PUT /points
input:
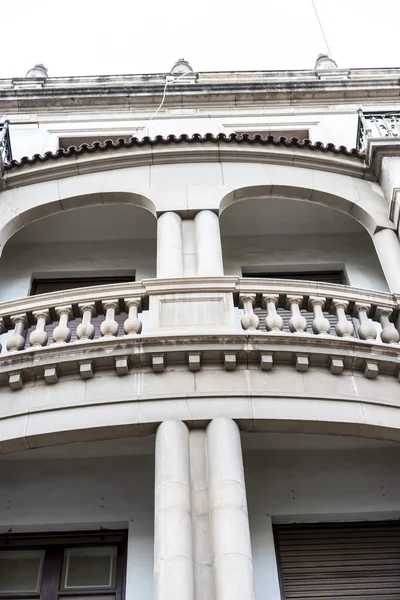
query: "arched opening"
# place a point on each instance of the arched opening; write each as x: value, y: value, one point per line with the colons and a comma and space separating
x: 94, y: 242
x: 94, y: 245
x: 278, y: 235
x: 281, y: 238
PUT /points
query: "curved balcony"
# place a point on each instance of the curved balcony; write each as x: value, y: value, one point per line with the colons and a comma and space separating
x: 194, y: 349
x: 55, y: 331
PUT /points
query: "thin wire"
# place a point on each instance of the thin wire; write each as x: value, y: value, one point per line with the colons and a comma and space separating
x: 322, y: 29
x: 165, y: 93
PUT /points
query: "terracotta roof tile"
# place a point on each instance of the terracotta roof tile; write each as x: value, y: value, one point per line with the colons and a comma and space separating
x: 237, y: 138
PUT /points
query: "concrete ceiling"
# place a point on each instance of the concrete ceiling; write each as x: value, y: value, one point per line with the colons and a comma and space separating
x: 91, y: 224
x: 278, y: 216
x: 250, y: 442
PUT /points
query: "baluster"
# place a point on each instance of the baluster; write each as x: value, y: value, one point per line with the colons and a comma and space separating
x: 344, y: 328
x: 16, y: 341
x: 85, y: 330
x: 62, y: 333
x: 132, y: 325
x: 297, y: 323
x: 109, y: 327
x: 39, y: 337
x: 250, y: 321
x: 367, y: 330
x: 389, y: 333
x: 273, y: 321
x: 320, y: 323
x: 3, y: 329
x: 396, y: 126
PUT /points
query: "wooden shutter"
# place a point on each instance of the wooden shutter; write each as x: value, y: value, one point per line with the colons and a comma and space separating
x: 339, y: 562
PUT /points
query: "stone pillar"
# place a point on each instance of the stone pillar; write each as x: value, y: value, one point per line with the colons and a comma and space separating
x: 387, y: 246
x: 173, y: 546
x: 169, y: 246
x: 232, y: 559
x: 208, y: 245
x: 202, y: 553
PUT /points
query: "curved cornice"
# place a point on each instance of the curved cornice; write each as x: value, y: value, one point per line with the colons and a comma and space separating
x: 89, y: 406
x: 244, y: 138
x: 184, y: 148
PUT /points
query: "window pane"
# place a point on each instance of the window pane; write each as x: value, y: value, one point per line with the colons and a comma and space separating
x: 89, y: 568
x: 21, y: 570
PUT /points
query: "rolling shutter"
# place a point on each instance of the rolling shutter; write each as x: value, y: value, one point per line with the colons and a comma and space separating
x: 339, y: 562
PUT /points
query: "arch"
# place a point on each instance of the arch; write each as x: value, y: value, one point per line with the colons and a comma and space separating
x: 39, y: 211
x: 342, y: 203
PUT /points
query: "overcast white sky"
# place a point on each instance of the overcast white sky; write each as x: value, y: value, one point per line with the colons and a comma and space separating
x: 89, y: 37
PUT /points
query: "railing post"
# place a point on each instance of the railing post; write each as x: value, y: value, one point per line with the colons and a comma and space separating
x: 85, y: 330
x: 250, y: 321
x: 16, y: 341
x: 62, y: 333
x: 3, y: 329
x: 320, y: 324
x: 389, y: 333
x: 367, y: 330
x: 132, y: 325
x: 297, y: 323
x: 39, y: 337
x: 109, y: 327
x: 344, y: 328
x: 273, y: 321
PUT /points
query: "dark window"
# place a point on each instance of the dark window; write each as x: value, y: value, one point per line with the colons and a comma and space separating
x: 301, y: 134
x: 44, y: 286
x: 343, y: 561
x: 324, y: 276
x: 61, y: 566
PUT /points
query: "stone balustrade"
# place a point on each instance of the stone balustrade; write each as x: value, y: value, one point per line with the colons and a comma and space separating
x: 28, y: 321
x: 228, y: 321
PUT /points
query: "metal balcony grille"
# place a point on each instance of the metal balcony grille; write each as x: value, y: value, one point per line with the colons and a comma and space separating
x: 5, y: 142
x: 377, y: 125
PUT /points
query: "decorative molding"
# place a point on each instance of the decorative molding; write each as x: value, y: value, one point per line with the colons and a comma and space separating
x: 163, y: 352
x: 58, y: 167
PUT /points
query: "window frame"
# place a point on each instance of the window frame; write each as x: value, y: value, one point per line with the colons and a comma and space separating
x: 297, y: 275
x: 54, y: 545
x: 91, y: 281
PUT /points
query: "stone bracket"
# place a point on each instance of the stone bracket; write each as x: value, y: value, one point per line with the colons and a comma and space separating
x: 121, y: 366
x: 158, y: 363
x: 194, y: 360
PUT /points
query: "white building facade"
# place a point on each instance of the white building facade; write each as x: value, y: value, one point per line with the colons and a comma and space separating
x: 199, y: 313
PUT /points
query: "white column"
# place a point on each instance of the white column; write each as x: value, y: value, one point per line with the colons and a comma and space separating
x: 208, y: 245
x: 233, y: 566
x: 173, y: 547
x: 169, y: 246
x: 202, y: 553
x: 387, y: 246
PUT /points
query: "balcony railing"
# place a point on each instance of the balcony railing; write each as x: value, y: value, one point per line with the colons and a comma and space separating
x: 5, y: 142
x: 29, y: 323
x: 377, y: 125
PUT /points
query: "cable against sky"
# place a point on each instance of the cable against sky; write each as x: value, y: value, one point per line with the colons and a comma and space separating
x: 322, y: 29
